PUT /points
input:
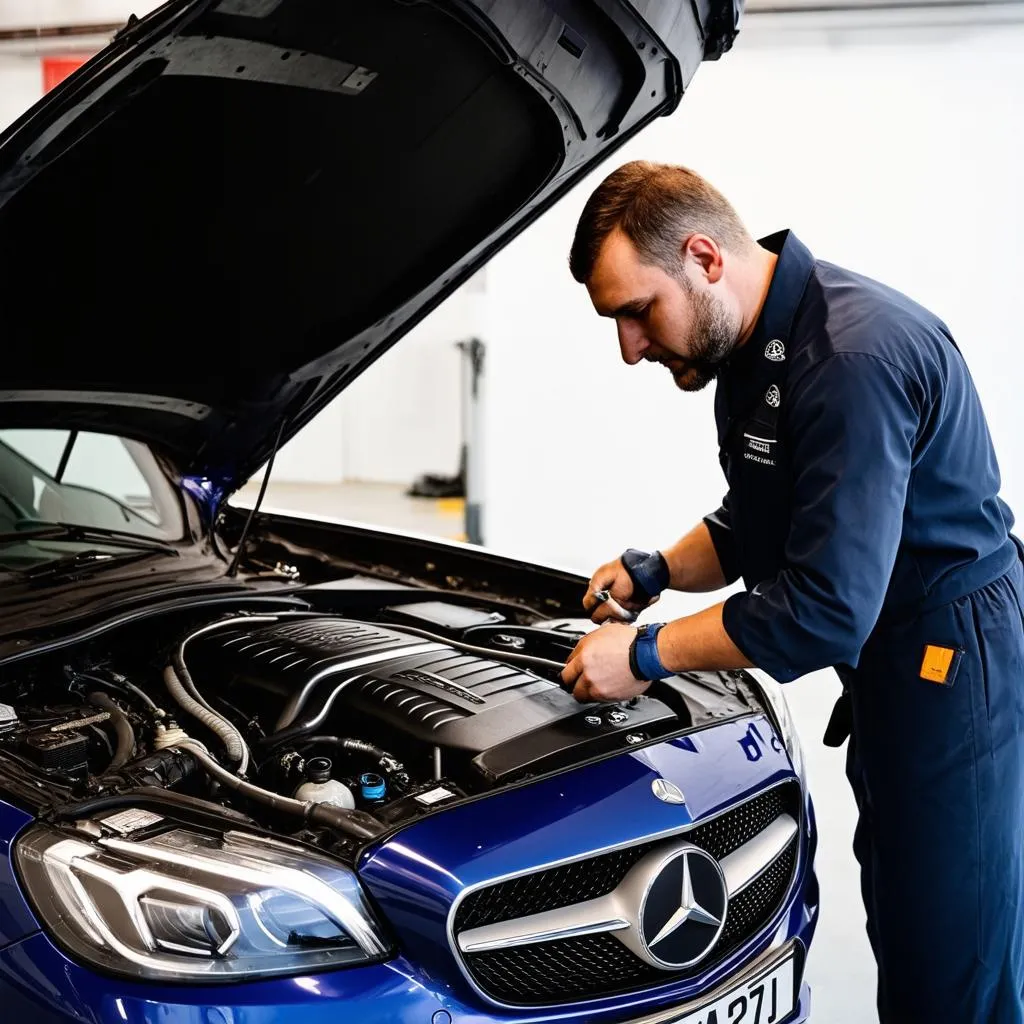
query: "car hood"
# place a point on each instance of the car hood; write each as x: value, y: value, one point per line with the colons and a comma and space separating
x: 225, y: 216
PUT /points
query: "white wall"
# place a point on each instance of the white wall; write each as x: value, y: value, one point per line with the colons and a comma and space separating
x: 21, y: 84
x: 403, y: 416
x: 55, y: 13
x: 899, y: 156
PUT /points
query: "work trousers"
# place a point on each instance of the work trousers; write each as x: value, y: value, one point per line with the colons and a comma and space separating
x: 938, y: 775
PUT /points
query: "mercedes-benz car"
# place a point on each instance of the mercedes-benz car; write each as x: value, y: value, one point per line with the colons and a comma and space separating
x: 256, y: 765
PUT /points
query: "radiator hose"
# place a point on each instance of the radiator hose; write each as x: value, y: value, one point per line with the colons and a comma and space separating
x: 355, y: 824
x: 122, y: 729
x: 222, y: 729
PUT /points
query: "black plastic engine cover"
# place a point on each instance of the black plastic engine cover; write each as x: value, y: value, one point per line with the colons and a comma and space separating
x: 429, y: 690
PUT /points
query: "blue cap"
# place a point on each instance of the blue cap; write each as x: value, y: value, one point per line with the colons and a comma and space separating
x: 372, y: 786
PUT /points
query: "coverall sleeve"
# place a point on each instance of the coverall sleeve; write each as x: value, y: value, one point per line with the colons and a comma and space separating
x: 852, y: 425
x: 719, y: 524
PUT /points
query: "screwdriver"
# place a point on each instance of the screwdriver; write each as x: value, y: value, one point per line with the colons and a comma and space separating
x: 604, y: 597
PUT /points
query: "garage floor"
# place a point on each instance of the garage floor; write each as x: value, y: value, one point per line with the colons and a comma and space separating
x: 841, y: 970
x: 378, y: 504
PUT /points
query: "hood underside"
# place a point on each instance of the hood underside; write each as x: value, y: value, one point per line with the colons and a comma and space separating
x: 229, y: 213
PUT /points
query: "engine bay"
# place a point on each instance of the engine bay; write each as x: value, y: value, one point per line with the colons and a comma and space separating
x: 332, y: 720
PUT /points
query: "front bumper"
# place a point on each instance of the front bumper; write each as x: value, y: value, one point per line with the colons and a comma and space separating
x: 39, y: 984
x: 416, y: 878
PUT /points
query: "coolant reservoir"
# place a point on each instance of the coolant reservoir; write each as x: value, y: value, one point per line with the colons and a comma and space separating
x: 320, y: 788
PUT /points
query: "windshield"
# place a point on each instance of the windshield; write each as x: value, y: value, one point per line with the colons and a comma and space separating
x: 86, y: 479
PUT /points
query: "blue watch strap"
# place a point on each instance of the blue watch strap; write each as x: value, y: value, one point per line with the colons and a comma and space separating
x: 648, y: 662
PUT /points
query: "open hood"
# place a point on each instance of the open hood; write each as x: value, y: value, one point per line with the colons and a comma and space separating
x: 230, y: 212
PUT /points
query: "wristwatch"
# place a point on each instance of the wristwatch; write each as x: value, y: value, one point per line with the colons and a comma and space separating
x: 644, y: 662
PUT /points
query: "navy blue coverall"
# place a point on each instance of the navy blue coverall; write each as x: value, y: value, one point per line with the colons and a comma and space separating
x: 863, y: 516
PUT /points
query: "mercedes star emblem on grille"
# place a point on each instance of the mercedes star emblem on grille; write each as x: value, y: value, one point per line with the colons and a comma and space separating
x: 683, y: 910
x: 668, y: 792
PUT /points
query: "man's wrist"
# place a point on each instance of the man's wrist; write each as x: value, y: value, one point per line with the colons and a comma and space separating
x: 676, y: 568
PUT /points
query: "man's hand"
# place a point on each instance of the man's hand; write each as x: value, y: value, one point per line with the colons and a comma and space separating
x: 612, y: 576
x: 598, y: 668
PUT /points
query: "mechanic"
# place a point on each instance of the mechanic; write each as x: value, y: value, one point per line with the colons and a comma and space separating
x: 863, y: 517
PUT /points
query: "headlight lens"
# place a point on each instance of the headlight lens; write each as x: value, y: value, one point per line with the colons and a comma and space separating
x: 779, y: 707
x: 188, y: 906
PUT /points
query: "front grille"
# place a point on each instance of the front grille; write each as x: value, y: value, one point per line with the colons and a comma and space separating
x: 599, y: 965
x: 552, y: 972
x: 587, y: 880
x: 752, y: 908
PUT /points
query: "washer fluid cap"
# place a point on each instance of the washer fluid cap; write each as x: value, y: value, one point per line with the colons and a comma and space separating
x: 372, y: 786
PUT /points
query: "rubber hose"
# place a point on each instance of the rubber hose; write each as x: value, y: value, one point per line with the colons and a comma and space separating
x: 224, y: 731
x: 360, y: 747
x: 140, y: 693
x: 122, y: 729
x: 356, y: 824
x: 151, y: 795
x: 185, y: 677
x: 351, y: 745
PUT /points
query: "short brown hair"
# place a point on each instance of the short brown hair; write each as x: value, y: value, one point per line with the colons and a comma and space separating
x: 657, y: 206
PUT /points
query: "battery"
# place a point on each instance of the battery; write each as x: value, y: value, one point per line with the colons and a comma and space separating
x: 56, y: 751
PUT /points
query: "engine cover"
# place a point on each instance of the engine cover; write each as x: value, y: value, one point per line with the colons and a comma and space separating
x: 429, y: 690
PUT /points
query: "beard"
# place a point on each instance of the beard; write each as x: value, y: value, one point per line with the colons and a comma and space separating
x: 713, y: 340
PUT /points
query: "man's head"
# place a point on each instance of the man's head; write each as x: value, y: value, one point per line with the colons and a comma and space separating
x: 664, y: 253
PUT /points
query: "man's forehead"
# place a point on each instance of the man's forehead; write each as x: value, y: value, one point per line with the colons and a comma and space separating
x: 618, y: 276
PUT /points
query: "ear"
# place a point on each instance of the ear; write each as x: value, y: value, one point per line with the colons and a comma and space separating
x: 706, y: 253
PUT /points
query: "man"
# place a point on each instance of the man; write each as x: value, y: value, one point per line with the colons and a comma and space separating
x: 863, y: 516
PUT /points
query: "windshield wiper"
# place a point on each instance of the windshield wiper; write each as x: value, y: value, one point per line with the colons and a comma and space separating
x: 98, y: 534
x: 89, y: 559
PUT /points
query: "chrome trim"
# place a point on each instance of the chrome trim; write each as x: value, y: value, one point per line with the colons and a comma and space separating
x: 298, y: 701
x: 494, y: 939
x: 753, y: 858
x: 617, y: 910
x: 794, y: 779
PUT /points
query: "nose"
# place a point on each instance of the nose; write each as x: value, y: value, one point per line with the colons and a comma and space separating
x: 632, y: 341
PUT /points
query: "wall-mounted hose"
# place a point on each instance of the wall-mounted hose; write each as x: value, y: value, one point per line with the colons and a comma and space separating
x: 122, y: 729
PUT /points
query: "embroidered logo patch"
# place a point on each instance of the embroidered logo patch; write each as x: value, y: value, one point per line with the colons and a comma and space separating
x: 775, y: 351
x: 759, y: 449
x: 773, y: 396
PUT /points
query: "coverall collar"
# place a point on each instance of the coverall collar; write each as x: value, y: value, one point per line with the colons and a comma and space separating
x: 789, y: 282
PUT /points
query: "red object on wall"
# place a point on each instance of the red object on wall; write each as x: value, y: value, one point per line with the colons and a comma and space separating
x: 56, y: 69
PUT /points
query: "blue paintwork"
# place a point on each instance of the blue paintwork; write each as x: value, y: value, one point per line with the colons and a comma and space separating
x: 207, y: 494
x: 415, y: 876
x: 16, y: 920
x: 39, y: 984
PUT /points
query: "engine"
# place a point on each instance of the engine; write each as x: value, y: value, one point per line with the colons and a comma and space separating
x: 324, y: 724
x: 449, y: 707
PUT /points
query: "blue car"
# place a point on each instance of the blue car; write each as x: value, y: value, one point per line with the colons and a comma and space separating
x: 257, y: 767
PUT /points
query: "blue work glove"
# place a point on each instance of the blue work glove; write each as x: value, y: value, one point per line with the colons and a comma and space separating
x: 648, y: 571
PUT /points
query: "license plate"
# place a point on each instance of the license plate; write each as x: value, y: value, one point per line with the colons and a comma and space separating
x: 767, y: 998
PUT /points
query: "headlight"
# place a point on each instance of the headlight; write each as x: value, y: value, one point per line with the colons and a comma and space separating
x: 183, y: 905
x: 783, y: 720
